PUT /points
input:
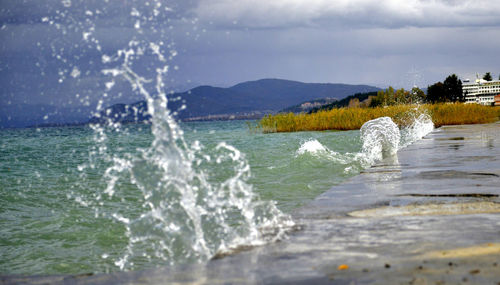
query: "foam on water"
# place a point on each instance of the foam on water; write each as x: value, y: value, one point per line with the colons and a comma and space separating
x: 314, y: 148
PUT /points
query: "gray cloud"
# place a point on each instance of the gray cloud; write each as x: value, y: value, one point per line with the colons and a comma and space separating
x: 400, y: 57
x: 222, y: 42
x: 46, y: 40
x: 349, y: 13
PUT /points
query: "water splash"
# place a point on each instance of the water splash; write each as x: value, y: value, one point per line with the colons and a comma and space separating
x: 380, y: 138
x: 175, y: 209
x: 421, y: 126
x: 188, y: 215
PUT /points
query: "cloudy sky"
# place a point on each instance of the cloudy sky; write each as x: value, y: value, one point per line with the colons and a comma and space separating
x: 55, y: 51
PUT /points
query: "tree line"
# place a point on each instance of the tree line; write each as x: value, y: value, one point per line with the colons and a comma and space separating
x: 450, y: 90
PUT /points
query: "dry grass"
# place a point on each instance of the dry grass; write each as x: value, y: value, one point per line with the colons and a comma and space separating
x: 354, y: 118
x: 461, y: 114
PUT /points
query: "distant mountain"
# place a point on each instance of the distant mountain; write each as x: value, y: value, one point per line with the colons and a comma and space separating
x: 24, y: 115
x: 250, y: 100
x: 242, y: 100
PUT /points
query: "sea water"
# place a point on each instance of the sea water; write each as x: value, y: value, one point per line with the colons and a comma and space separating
x: 57, y: 215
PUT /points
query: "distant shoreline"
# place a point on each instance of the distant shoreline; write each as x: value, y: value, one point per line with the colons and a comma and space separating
x: 245, y: 100
x: 209, y: 118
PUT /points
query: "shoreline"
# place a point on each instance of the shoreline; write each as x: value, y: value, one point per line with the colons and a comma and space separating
x: 453, y: 165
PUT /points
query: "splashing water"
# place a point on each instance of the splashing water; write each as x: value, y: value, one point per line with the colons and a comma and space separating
x: 380, y: 138
x: 420, y: 127
x: 187, y: 213
x: 173, y: 207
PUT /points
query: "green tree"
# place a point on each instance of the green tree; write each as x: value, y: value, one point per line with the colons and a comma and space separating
x: 417, y: 96
x: 389, y: 97
x: 401, y: 97
x: 388, y: 94
x: 487, y: 76
x: 453, y: 89
x: 436, y: 93
x: 384, y: 98
x: 376, y: 101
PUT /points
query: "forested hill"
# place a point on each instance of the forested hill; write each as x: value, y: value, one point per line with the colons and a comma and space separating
x: 345, y: 102
x: 248, y: 98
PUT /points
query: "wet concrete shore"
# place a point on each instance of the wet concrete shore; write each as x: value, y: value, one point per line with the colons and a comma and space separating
x: 429, y: 215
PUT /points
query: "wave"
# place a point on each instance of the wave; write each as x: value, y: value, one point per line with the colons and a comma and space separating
x: 380, y: 138
x: 314, y: 148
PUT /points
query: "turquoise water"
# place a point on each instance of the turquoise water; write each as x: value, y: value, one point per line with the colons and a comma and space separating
x: 53, y: 220
x: 279, y: 171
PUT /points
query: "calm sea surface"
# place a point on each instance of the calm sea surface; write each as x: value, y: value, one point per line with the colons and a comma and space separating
x: 63, y: 210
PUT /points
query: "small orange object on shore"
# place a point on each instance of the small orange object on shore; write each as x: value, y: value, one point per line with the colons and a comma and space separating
x: 343, y: 267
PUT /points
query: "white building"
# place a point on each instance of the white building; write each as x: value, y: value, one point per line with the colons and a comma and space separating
x: 481, y: 91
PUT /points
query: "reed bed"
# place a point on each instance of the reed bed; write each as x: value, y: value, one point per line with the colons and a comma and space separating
x: 461, y: 114
x: 354, y: 118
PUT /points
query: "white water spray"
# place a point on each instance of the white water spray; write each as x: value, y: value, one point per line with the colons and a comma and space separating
x: 380, y: 138
x: 420, y: 127
x: 175, y: 209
